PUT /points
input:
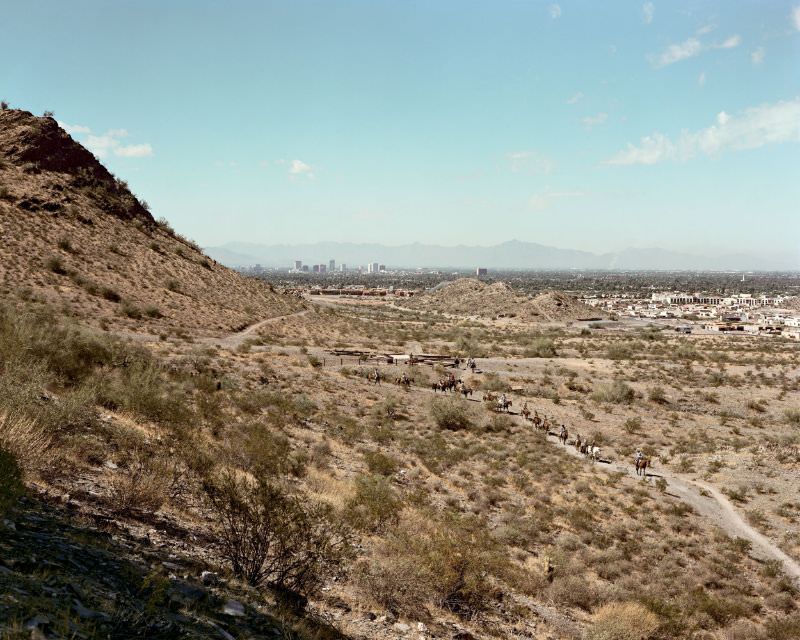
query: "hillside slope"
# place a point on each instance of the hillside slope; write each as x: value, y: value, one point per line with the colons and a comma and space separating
x: 468, y: 296
x: 75, y: 235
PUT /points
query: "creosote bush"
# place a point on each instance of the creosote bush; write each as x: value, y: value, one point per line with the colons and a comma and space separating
x: 272, y: 538
x: 447, y: 563
x: 451, y: 413
x: 374, y: 504
x: 617, y: 392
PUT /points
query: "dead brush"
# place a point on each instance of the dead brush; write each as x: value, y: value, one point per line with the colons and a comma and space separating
x: 29, y: 444
x: 142, y: 486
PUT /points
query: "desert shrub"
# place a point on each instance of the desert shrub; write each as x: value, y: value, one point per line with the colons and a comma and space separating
x: 632, y: 425
x: 272, y: 538
x: 744, y: 630
x: 373, y: 505
x: 451, y: 413
x: 619, y: 351
x: 109, y: 294
x: 314, y: 361
x: 143, y: 389
x: 449, y: 563
x: 65, y: 244
x: 152, y: 311
x: 657, y: 394
x: 269, y: 453
x: 380, y: 463
x: 617, y: 392
x: 499, y: 423
x: 792, y: 417
x: 493, y: 382
x: 574, y: 591
x: 141, y: 486
x: 541, y: 348
x: 10, y: 481
x: 623, y: 621
x: 56, y: 265
x: 173, y: 285
x: 130, y: 310
x: 783, y: 628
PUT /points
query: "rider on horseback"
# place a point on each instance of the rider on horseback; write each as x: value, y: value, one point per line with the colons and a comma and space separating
x: 638, y: 457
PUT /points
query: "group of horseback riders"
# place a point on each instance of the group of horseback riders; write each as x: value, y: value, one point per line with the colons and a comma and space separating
x: 585, y: 446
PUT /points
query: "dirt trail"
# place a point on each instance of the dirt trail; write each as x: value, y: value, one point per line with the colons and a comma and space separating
x: 713, y: 505
x: 235, y: 339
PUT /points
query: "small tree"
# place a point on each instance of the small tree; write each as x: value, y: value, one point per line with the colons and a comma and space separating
x: 273, y: 538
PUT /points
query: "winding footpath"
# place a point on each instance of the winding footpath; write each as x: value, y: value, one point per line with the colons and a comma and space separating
x: 233, y: 340
x: 712, y: 505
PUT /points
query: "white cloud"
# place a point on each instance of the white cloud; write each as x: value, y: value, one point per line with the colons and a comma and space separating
x: 757, y: 56
x: 300, y: 168
x: 648, y: 10
x: 706, y: 29
x: 796, y: 17
x: 701, y: 79
x: 730, y: 43
x: 690, y: 48
x: 593, y: 121
x: 108, y: 143
x: 134, y: 151
x: 544, y: 200
x: 74, y: 129
x: 576, y: 98
x: 530, y: 162
x: 754, y: 128
x: 555, y: 11
x: 677, y: 52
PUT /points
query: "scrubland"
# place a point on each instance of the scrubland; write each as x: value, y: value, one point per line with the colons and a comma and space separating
x: 345, y: 507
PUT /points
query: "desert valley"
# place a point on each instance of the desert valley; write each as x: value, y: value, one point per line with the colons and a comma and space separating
x: 190, y: 452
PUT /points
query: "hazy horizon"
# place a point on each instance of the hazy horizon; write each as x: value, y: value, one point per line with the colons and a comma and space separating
x: 584, y: 126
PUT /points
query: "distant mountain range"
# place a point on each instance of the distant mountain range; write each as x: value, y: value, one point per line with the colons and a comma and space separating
x: 513, y: 254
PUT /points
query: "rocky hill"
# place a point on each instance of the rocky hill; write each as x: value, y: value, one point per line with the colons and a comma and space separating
x: 73, y: 234
x: 471, y: 297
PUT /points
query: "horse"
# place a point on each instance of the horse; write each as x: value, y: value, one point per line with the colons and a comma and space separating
x: 594, y: 453
x: 465, y: 390
x: 537, y: 421
x: 404, y: 381
x: 641, y: 466
x: 489, y: 396
x: 504, y: 405
x: 562, y: 436
x: 578, y: 443
x: 526, y: 413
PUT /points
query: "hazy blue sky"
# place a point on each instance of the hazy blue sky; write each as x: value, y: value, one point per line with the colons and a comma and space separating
x: 593, y: 125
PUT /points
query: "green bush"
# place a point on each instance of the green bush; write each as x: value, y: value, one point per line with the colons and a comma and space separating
x: 617, y: 392
x: 451, y: 413
x: 380, y: 463
x: 541, y: 348
x: 373, y: 505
